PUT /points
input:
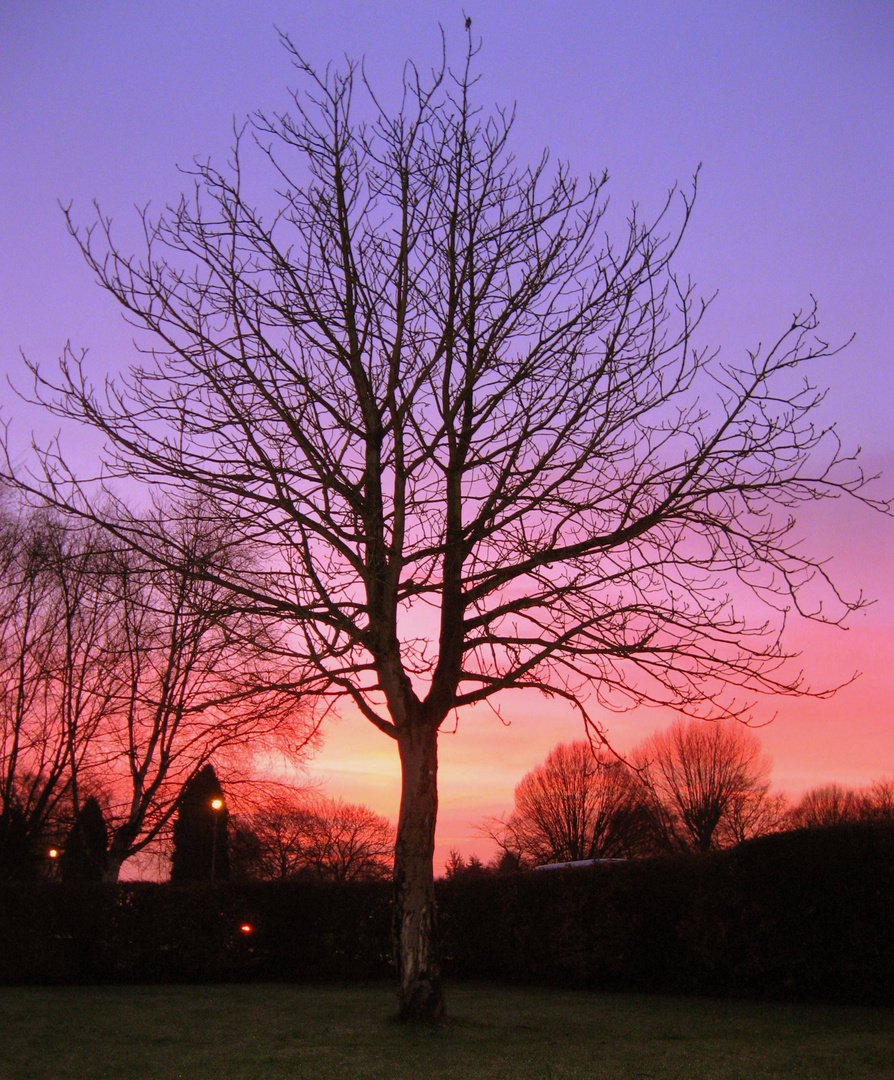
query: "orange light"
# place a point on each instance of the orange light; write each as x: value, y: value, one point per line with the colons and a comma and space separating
x: 216, y: 804
x: 53, y: 853
x: 246, y: 928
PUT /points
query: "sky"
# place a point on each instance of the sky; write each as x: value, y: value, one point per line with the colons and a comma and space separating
x: 785, y: 106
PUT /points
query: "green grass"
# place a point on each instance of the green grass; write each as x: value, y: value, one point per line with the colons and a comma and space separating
x: 276, y: 1032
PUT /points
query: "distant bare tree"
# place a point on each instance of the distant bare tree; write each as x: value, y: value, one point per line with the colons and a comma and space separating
x: 459, y: 868
x: 474, y: 443
x: 754, y: 813
x: 312, y: 836
x: 197, y: 681
x: 708, y: 782
x: 56, y: 622
x: 349, y: 842
x: 455, y: 864
x: 829, y: 804
x: 125, y: 675
x: 880, y: 799
x: 576, y: 805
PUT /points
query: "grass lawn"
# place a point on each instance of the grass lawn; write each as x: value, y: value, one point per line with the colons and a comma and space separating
x: 277, y: 1032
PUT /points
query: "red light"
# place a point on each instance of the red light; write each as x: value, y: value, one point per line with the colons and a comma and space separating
x: 246, y: 928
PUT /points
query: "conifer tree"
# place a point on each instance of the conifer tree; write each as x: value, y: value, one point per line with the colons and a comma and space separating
x: 86, y: 846
x: 200, y: 831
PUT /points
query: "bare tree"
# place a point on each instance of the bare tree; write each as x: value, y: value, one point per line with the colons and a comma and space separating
x: 753, y: 813
x: 55, y: 684
x: 125, y: 675
x: 706, y: 781
x: 197, y: 682
x: 576, y: 805
x: 268, y: 840
x: 473, y: 442
x: 313, y: 836
x: 348, y: 842
x: 880, y: 799
x: 829, y: 804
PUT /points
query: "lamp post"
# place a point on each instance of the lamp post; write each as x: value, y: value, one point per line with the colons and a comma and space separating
x: 216, y: 806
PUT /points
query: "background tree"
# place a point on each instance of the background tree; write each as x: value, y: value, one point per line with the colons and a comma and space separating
x: 126, y: 674
x: 829, y: 804
x: 201, y: 827
x: 198, y: 681
x: 758, y: 813
x: 576, y: 805
x: 459, y: 868
x: 268, y: 841
x: 475, y: 445
x: 705, y: 780
x: 880, y: 798
x: 56, y: 687
x: 312, y: 836
x: 85, y: 849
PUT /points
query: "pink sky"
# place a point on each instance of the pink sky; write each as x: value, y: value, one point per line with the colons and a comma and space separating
x: 785, y: 105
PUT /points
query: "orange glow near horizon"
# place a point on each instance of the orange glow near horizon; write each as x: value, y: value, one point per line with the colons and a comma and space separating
x: 847, y: 738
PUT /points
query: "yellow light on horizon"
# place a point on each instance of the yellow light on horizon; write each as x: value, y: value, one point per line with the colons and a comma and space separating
x: 216, y: 804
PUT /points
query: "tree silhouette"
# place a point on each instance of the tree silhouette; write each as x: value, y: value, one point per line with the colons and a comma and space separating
x: 474, y: 444
x: 55, y: 692
x: 576, y: 805
x: 312, y: 836
x: 86, y: 846
x: 125, y: 674
x: 830, y: 804
x: 201, y: 851
x: 704, y: 780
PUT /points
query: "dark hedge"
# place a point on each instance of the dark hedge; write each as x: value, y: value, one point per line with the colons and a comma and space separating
x: 805, y: 915
x: 144, y: 932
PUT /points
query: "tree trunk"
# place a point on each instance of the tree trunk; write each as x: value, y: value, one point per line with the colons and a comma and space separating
x: 415, y: 916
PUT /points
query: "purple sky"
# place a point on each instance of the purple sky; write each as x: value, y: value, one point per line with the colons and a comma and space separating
x: 787, y: 106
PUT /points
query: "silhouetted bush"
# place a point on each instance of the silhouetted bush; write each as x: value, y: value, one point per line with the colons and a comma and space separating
x: 806, y: 915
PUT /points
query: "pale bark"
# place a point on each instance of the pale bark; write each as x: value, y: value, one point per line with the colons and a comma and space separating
x: 415, y: 915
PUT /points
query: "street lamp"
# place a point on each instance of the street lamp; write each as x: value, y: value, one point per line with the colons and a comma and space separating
x: 216, y: 806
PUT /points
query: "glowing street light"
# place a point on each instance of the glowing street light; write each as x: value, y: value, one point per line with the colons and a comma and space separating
x: 53, y: 853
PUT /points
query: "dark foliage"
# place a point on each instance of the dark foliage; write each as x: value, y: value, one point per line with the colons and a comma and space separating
x: 142, y: 932
x: 20, y: 857
x: 805, y: 915
x: 86, y: 846
x: 200, y: 832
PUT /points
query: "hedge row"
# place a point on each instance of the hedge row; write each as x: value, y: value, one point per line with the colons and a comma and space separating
x: 143, y: 932
x: 806, y: 915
